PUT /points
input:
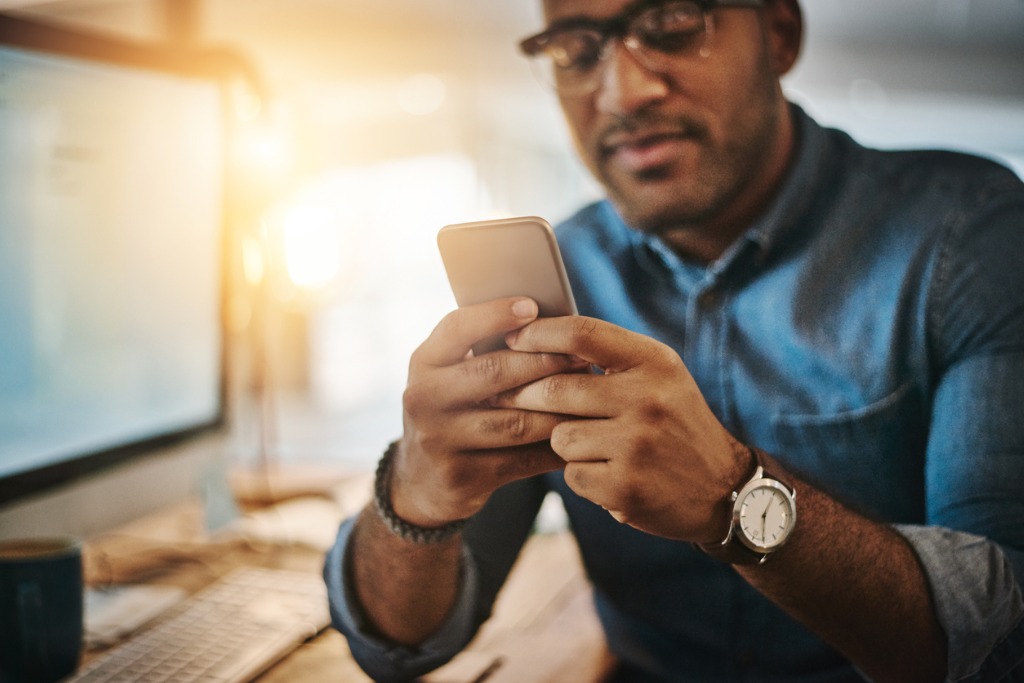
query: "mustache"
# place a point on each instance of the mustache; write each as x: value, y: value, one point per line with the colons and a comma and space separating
x: 638, y: 128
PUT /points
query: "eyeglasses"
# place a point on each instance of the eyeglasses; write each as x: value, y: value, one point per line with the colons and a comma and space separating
x: 658, y: 33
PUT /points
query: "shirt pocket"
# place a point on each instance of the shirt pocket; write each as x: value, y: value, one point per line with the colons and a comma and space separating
x: 870, y: 458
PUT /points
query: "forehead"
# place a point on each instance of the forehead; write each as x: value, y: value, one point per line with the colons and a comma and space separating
x: 598, y: 9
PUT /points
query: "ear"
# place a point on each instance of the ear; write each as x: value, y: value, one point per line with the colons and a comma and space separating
x: 784, y: 25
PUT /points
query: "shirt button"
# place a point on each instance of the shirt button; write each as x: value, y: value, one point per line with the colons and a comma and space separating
x: 709, y: 299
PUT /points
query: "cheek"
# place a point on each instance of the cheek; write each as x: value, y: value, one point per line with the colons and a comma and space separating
x: 582, y: 123
x: 738, y: 105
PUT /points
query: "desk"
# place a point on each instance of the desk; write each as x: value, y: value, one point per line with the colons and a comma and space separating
x: 544, y: 629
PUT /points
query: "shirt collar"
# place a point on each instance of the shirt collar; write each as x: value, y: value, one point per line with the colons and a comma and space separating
x: 797, y: 190
x: 781, y: 217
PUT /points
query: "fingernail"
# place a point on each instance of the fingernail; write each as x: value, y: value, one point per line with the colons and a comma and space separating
x: 524, y: 308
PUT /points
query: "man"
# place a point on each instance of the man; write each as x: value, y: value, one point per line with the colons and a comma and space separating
x: 824, y: 340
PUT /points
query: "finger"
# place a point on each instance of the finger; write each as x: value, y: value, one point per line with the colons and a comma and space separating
x: 518, y: 462
x: 502, y: 428
x: 581, y: 395
x: 587, y: 440
x: 588, y: 448
x: 500, y: 371
x: 591, y: 479
x: 455, y: 335
x: 607, y: 346
x: 478, y: 380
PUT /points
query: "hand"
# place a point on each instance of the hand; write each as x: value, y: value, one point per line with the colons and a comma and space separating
x: 644, y: 444
x: 458, y: 447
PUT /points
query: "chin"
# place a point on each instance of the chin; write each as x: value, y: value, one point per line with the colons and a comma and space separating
x: 660, y: 201
x: 650, y: 212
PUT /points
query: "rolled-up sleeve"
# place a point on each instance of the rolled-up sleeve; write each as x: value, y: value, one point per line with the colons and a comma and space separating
x: 977, y: 599
x: 491, y: 543
x: 383, y: 660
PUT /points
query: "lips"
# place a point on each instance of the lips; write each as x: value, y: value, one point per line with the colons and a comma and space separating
x: 640, y: 151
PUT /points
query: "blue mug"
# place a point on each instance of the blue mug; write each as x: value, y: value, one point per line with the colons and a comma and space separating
x: 41, y: 609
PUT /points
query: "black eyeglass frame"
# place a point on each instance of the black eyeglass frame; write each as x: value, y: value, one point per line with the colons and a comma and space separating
x: 617, y: 26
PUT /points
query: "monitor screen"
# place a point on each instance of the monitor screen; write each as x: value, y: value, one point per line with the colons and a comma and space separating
x: 111, y: 230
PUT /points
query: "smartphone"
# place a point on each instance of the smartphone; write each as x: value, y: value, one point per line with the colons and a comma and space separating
x: 488, y: 260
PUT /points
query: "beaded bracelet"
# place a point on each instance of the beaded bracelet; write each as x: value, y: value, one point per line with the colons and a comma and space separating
x: 397, y: 525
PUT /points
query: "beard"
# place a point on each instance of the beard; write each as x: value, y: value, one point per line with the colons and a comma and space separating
x: 702, y: 176
x: 659, y: 200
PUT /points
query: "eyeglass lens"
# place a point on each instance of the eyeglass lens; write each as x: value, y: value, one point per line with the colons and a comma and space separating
x: 658, y: 37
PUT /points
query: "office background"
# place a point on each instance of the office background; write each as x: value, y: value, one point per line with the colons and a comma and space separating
x: 383, y: 121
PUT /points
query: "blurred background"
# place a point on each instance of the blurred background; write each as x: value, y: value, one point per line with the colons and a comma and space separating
x: 382, y: 121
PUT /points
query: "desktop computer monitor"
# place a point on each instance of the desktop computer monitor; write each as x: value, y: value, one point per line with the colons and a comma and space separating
x: 112, y: 226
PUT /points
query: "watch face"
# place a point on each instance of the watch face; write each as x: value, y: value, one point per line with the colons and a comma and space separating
x: 766, y: 515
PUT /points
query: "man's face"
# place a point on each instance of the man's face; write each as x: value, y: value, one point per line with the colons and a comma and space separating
x: 688, y: 148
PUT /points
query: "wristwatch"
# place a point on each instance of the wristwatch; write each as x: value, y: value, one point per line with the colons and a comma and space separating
x: 763, y: 517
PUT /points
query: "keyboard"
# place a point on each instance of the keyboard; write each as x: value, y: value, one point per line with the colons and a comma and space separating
x: 229, y: 632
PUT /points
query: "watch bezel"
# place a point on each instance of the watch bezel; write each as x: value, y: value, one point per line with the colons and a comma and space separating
x: 748, y: 488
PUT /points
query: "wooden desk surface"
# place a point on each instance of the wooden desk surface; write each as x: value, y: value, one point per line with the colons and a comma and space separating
x: 543, y: 629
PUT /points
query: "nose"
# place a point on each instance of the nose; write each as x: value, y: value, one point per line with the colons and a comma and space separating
x: 626, y: 86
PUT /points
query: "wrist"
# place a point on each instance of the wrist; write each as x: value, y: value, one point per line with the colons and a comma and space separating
x: 397, y: 524
x: 763, y: 515
x: 744, y: 464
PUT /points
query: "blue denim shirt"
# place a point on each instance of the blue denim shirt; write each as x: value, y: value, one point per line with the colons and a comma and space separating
x: 868, y: 331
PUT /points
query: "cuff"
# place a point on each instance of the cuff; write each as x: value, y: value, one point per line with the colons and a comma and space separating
x: 977, y: 601
x: 382, y: 660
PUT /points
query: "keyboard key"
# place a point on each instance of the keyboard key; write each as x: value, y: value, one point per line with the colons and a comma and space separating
x: 229, y: 632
